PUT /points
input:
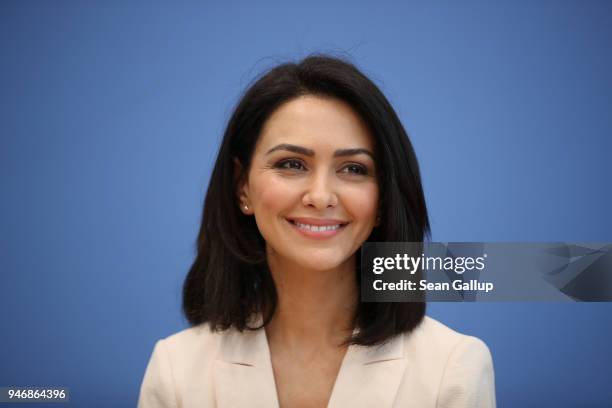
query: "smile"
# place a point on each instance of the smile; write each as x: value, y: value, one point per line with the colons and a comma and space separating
x: 317, y: 228
x: 325, y: 231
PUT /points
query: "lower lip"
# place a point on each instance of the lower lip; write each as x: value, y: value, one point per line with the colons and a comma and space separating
x: 317, y: 234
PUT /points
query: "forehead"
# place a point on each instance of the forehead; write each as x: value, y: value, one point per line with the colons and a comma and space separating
x: 316, y: 122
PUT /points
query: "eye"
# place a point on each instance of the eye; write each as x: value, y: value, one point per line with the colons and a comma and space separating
x: 290, y: 164
x: 355, y: 168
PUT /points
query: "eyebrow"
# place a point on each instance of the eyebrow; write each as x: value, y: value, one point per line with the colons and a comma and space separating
x: 309, y: 152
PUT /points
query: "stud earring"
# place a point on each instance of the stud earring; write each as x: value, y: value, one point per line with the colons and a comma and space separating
x: 246, y: 207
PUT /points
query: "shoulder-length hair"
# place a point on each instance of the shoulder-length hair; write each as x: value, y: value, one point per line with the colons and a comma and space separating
x: 229, y: 280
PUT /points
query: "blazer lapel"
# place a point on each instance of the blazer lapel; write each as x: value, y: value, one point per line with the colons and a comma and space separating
x: 243, y: 375
x: 370, y: 376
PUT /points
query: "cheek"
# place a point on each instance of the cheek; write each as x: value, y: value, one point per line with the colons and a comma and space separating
x: 362, y: 202
x: 272, y: 194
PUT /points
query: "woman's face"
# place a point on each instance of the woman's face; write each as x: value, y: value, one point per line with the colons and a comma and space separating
x: 312, y: 183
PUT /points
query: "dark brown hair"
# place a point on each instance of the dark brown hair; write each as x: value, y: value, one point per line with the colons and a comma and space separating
x: 229, y: 280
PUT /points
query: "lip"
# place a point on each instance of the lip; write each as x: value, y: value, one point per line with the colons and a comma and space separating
x: 318, y: 222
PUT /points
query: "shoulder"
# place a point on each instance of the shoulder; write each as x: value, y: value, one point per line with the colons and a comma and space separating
x: 178, y: 362
x: 456, y: 368
x: 434, y: 338
x: 190, y: 352
x: 191, y: 341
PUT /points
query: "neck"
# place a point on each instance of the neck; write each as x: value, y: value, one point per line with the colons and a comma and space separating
x: 315, y: 308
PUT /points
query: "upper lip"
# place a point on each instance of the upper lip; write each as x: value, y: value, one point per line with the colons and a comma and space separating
x: 316, y: 221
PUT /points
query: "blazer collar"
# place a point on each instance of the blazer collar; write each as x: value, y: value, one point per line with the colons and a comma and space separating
x: 243, y: 374
x: 249, y: 348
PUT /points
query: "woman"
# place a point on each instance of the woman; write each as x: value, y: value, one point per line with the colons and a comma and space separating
x: 314, y: 162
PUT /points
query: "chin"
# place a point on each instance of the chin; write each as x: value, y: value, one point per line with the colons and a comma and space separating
x: 313, y: 259
x: 321, y: 267
x: 320, y: 262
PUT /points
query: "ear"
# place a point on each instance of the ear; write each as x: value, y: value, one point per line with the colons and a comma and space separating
x: 242, y: 187
x: 378, y: 215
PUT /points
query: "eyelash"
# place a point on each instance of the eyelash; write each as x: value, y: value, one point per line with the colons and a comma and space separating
x: 362, y: 170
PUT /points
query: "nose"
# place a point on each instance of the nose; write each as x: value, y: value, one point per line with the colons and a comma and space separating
x: 320, y: 192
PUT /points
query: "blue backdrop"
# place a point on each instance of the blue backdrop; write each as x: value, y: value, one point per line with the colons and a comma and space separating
x: 111, y: 115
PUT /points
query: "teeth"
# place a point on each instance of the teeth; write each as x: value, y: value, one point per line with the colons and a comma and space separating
x: 318, y: 228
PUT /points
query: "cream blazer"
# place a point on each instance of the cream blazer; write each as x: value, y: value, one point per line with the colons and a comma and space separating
x: 433, y: 366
